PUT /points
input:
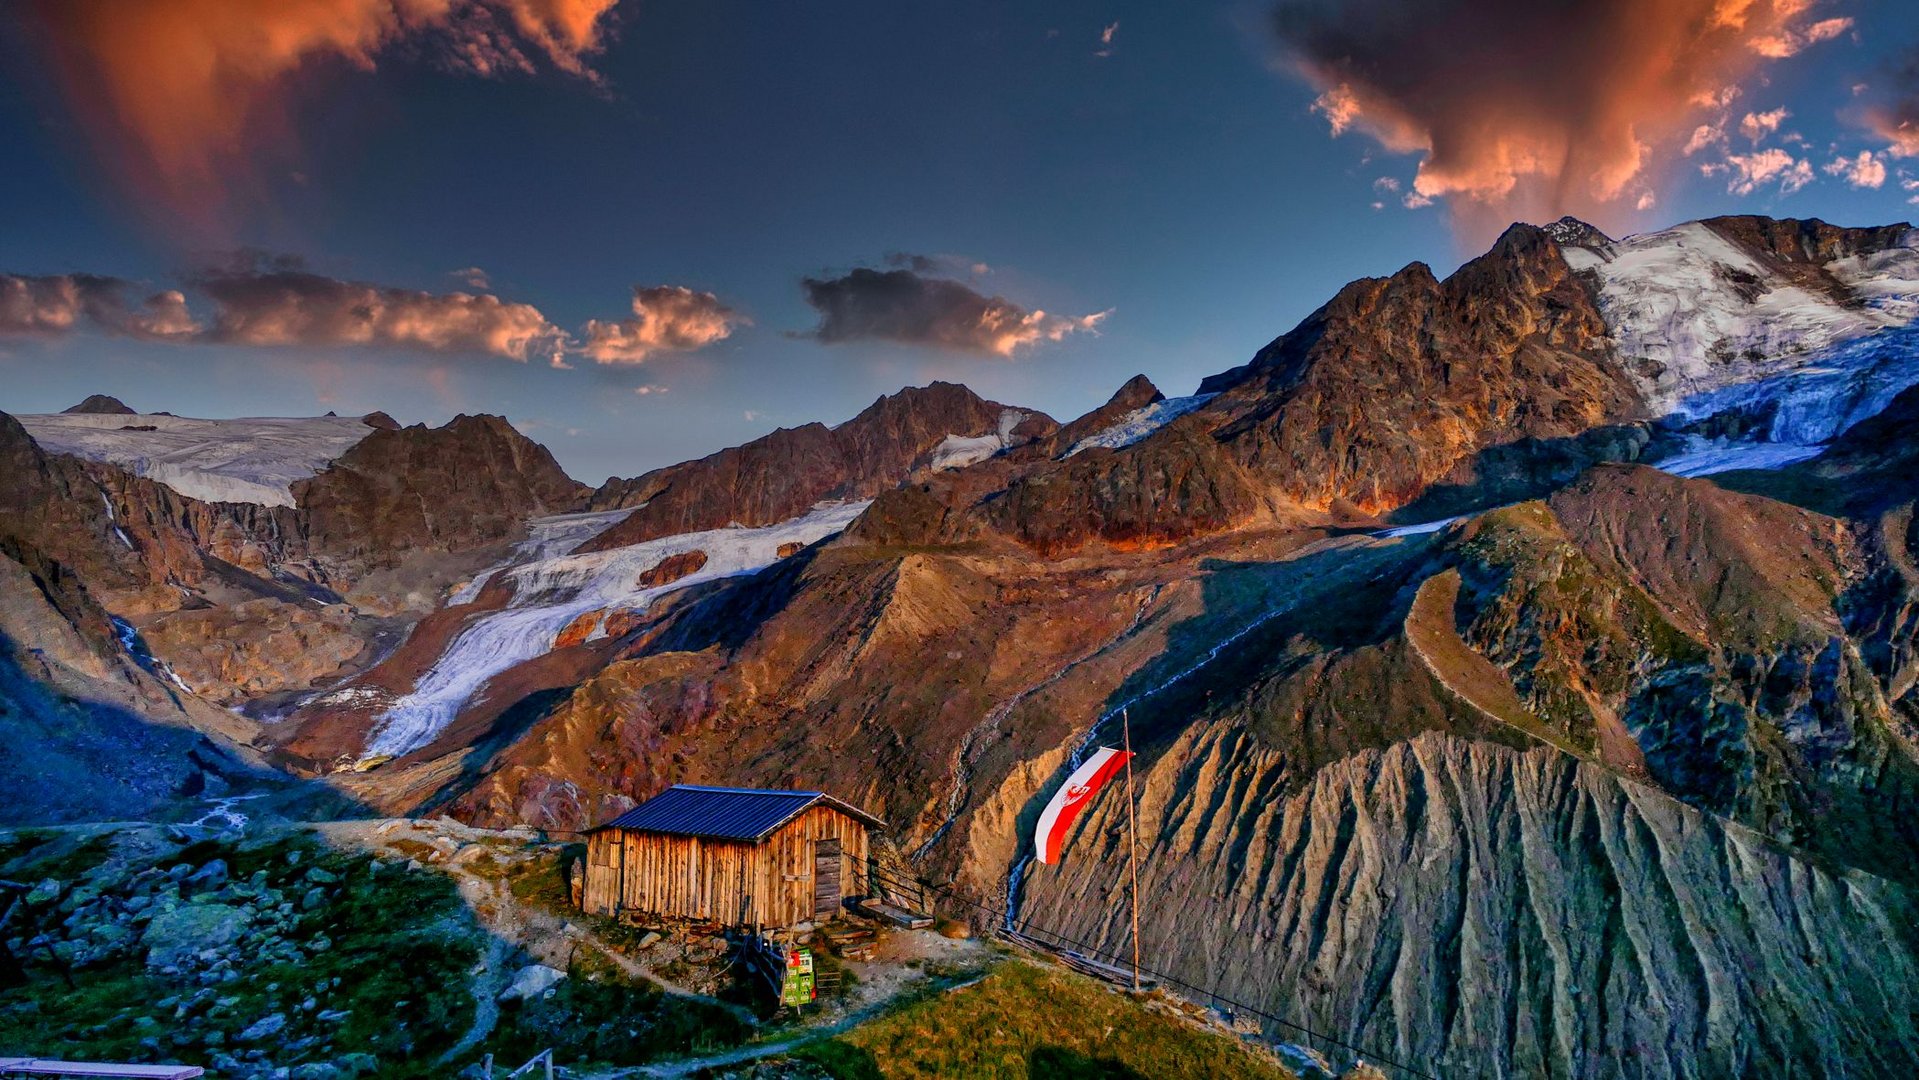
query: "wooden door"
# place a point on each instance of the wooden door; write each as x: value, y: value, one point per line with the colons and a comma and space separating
x: 826, y: 879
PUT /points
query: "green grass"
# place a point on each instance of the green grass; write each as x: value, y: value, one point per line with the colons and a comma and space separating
x: 1028, y: 1021
x: 592, y: 1017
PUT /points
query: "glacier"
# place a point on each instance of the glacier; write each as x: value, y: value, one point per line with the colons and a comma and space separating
x: 1692, y: 313
x: 546, y: 538
x: 556, y: 588
x: 1801, y: 410
x: 252, y: 459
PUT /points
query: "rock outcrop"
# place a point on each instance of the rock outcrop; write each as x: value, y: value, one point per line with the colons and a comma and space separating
x: 397, y: 493
x: 235, y: 653
x: 102, y: 404
x: 673, y: 568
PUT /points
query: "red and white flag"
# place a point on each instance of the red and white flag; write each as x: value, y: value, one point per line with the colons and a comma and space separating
x: 1080, y: 788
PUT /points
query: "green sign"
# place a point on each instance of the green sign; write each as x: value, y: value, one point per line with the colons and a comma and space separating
x: 798, y: 987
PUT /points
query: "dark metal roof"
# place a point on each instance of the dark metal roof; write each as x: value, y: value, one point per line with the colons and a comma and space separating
x: 747, y: 814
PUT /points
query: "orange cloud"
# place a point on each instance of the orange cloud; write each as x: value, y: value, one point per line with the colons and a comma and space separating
x: 1864, y: 170
x: 1529, y: 110
x: 264, y: 300
x: 285, y: 305
x: 666, y: 318
x: 183, y: 96
x: 59, y: 303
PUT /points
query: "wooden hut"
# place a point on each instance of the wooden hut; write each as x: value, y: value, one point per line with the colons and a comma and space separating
x: 739, y: 856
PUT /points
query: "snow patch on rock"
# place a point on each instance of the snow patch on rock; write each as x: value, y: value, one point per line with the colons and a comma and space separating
x: 959, y: 451
x: 1141, y: 422
x: 250, y: 460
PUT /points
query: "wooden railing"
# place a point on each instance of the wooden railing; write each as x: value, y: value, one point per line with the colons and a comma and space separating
x: 544, y: 1057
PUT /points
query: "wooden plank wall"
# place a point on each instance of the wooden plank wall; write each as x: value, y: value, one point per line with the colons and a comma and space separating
x: 738, y: 884
x: 787, y: 862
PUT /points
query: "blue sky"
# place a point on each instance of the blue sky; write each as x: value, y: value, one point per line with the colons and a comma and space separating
x: 1183, y: 182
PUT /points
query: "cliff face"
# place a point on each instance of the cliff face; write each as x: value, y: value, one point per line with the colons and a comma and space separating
x: 95, y: 728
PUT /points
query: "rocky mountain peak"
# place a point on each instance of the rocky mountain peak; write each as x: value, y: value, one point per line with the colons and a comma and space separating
x: 1804, y: 240
x: 780, y: 476
x: 1397, y: 381
x: 470, y: 482
x: 1569, y: 231
x: 101, y: 404
x: 1135, y: 393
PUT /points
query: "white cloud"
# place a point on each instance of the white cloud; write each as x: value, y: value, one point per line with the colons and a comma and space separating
x: 1749, y: 172
x: 1703, y: 137
x: 1867, y: 170
x: 1756, y: 126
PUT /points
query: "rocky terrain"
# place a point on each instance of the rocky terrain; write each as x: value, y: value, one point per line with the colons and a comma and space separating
x: 1521, y: 662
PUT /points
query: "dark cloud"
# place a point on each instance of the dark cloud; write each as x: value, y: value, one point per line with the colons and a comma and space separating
x: 906, y: 305
x: 59, y: 303
x: 1523, y: 108
x: 1895, y: 116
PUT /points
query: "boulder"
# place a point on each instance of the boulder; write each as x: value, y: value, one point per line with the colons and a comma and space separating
x: 673, y: 568
x: 264, y: 1028
x: 532, y: 981
x: 176, y: 936
x: 210, y: 876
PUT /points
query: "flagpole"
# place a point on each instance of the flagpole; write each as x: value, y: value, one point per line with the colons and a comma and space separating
x: 1132, y: 837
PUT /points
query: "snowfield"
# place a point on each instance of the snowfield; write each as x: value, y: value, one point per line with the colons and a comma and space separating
x: 555, y: 589
x: 1692, y: 313
x: 1141, y: 422
x: 251, y: 460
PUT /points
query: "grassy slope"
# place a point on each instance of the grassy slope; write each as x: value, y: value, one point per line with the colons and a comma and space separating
x: 1025, y: 1020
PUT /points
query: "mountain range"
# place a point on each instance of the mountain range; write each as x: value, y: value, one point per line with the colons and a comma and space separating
x: 1522, y: 663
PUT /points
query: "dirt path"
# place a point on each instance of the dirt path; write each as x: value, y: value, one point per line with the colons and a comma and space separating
x: 741, y: 1055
